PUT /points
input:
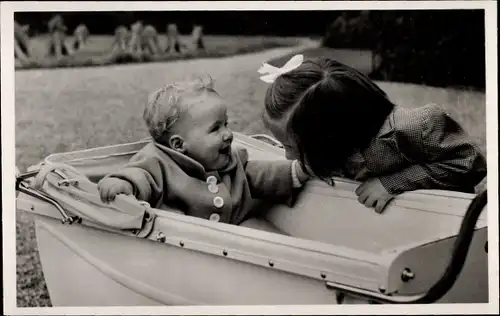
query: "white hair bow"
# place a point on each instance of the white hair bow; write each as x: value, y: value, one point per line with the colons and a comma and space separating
x: 270, y: 73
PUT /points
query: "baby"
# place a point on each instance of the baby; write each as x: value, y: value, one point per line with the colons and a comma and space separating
x: 190, y: 165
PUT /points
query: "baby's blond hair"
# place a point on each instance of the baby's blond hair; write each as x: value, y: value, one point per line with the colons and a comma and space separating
x: 164, y: 106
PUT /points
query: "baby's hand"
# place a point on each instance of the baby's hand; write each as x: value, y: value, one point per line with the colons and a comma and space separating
x: 373, y: 194
x: 110, y: 187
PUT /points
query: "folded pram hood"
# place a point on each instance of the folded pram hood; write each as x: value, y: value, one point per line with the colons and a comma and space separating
x: 79, y: 196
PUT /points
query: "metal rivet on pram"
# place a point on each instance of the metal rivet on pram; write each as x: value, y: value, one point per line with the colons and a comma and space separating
x: 224, y: 252
x: 144, y: 203
x: 407, y: 275
x: 160, y: 237
x: 71, y: 219
x: 181, y: 243
x: 381, y: 289
x: 271, y: 263
x: 214, y: 217
x: 323, y: 275
x: 67, y: 182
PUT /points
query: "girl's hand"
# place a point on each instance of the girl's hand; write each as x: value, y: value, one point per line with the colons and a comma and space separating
x: 302, y: 174
x: 373, y: 194
x: 109, y: 188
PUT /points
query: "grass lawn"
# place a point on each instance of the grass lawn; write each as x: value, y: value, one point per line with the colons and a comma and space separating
x: 70, y: 109
x: 96, y: 52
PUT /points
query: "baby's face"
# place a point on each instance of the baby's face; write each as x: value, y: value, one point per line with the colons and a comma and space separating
x: 207, y: 139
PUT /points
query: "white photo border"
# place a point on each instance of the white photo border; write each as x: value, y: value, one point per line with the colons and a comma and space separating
x: 8, y: 153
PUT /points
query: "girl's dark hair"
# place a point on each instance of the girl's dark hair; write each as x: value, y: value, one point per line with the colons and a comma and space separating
x: 334, y: 110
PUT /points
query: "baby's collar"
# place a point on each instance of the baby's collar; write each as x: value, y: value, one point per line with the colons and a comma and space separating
x: 193, y: 167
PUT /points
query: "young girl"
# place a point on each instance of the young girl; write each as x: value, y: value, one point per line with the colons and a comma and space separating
x: 338, y: 122
x: 191, y: 164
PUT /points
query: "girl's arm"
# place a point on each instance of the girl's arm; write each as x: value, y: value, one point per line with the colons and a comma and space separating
x: 447, y: 160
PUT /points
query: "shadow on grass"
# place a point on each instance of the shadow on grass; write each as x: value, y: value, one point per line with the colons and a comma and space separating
x: 121, y: 57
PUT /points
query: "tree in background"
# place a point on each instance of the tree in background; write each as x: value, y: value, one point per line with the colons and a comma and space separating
x: 433, y: 47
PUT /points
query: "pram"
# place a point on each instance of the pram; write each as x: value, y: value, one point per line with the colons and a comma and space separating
x: 428, y: 246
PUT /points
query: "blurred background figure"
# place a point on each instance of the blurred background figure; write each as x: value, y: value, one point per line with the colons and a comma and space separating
x: 149, y: 41
x: 134, y: 45
x: 173, y: 42
x: 197, y: 38
x: 57, y: 45
x: 81, y: 35
x: 122, y: 37
x: 22, y: 49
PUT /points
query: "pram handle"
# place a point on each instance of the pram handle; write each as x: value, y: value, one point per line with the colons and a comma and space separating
x: 21, y: 186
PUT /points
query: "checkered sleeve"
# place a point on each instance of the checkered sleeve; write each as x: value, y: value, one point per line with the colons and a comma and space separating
x: 443, y: 156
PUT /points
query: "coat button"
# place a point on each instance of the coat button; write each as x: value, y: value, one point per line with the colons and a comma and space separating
x: 214, y: 217
x: 213, y: 188
x: 212, y: 179
x: 218, y: 202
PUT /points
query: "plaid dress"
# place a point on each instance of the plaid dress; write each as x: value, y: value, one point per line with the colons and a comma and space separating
x: 422, y: 148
